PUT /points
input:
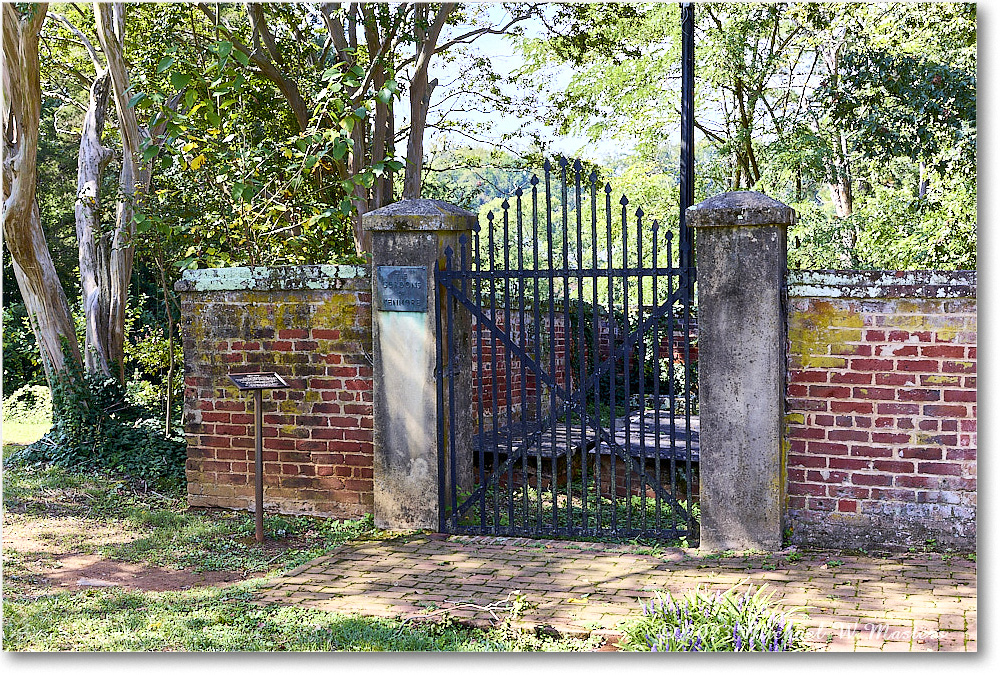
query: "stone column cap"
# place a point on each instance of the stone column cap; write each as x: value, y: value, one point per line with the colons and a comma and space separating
x: 410, y: 215
x: 739, y: 209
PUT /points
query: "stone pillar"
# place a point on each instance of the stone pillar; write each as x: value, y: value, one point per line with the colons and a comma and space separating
x: 741, y: 258
x: 412, y: 233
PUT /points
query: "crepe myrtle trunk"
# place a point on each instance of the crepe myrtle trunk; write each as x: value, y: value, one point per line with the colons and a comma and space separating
x: 34, y: 270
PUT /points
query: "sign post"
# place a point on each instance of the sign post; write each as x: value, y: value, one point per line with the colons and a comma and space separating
x: 258, y: 382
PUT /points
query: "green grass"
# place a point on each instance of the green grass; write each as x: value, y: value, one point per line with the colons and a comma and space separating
x: 165, y: 533
x: 23, y: 433
x: 224, y: 620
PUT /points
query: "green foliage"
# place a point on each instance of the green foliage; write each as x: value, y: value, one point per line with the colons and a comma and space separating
x: 728, y: 621
x: 96, y: 426
x: 30, y: 404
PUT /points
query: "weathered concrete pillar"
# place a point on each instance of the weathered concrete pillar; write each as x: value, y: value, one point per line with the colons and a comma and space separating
x: 741, y: 367
x: 408, y: 241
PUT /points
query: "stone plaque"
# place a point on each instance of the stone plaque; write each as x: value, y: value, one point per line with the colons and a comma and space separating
x: 402, y: 289
x: 258, y: 381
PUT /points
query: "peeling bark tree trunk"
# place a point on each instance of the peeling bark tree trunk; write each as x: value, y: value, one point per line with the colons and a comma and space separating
x: 116, y: 272
x: 93, y: 244
x: 36, y: 276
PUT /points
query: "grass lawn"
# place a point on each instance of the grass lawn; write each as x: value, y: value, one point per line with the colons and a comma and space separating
x: 23, y: 433
x: 52, y: 517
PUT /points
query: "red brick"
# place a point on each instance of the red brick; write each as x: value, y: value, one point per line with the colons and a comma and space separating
x: 306, y: 345
x: 879, y: 479
x: 919, y: 366
x: 325, y: 334
x: 874, y: 393
x: 945, y: 410
x: 847, y: 506
x: 895, y: 379
x: 292, y: 333
x: 230, y: 430
x: 214, y: 441
x: 940, y: 468
x: 921, y: 453
x: 807, y: 489
x: 904, y: 423
x: 926, y: 482
x: 871, y: 364
x: 849, y: 464
x: 358, y: 384
x: 949, y: 425
x: 796, y: 502
x: 898, y: 409
x: 278, y: 346
x: 959, y: 395
x: 958, y: 366
x: 806, y: 432
x: 898, y: 336
x: 870, y: 451
x: 882, y: 437
x: 960, y: 454
x: 943, y: 351
x: 848, y: 435
x: 820, y: 504
x: 862, y: 407
x: 831, y: 476
x: 919, y: 395
x: 893, y: 466
x: 850, y: 378
x: 809, y: 376
x: 827, y: 448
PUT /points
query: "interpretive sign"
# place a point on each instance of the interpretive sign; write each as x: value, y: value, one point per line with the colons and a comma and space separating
x: 258, y: 381
x: 401, y: 289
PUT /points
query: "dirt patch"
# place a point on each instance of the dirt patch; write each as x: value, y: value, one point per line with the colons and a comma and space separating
x: 62, y: 535
x: 57, y: 554
x: 74, y: 571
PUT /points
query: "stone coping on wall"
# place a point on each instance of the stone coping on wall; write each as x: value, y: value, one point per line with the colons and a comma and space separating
x: 881, y: 284
x: 261, y: 278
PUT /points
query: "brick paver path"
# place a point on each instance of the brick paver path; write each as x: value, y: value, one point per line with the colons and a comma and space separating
x: 903, y: 602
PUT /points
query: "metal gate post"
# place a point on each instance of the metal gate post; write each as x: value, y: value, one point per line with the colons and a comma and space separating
x: 408, y: 242
x: 741, y: 353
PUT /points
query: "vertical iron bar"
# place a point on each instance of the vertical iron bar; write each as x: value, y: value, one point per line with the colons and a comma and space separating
x: 595, y: 364
x: 656, y: 373
x: 524, y: 350
x: 508, y: 363
x: 627, y: 367
x: 537, y: 316
x: 566, y: 332
x: 687, y: 131
x: 480, y: 388
x: 581, y: 346
x: 640, y: 278
x: 552, y: 341
x: 493, y: 378
x: 612, y: 387
x: 258, y: 479
x: 671, y: 373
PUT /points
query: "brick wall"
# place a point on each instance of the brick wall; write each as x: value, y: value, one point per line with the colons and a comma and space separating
x: 312, y: 325
x: 881, y: 408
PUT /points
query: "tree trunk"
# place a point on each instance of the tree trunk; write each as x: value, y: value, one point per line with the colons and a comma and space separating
x: 93, y: 244
x: 43, y: 295
x: 133, y: 182
x: 420, y: 94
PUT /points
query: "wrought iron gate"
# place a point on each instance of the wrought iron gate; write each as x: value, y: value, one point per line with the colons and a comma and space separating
x: 584, y: 369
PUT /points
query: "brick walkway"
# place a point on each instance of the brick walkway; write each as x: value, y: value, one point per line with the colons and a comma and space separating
x: 905, y: 602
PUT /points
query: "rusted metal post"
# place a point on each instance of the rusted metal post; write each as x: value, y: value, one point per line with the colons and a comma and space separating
x: 258, y: 477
